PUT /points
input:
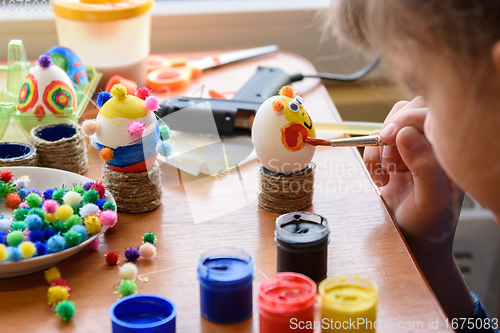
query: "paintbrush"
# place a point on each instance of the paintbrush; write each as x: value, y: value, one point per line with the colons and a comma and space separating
x: 360, y: 141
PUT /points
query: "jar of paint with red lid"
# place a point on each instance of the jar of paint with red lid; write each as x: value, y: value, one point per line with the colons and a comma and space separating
x: 286, y: 301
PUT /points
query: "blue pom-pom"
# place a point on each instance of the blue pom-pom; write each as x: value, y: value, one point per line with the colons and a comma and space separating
x: 48, y: 232
x: 41, y: 249
x: 45, y: 61
x: 56, y: 243
x: 2, y: 238
x: 101, y: 203
x: 36, y: 236
x: 81, y: 229
x: 103, y: 97
x: 48, y: 193
x: 22, y: 192
x: 165, y: 148
x: 13, y: 254
x: 33, y: 222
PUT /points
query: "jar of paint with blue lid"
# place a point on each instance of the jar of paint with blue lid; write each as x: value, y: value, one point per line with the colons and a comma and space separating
x: 225, y: 275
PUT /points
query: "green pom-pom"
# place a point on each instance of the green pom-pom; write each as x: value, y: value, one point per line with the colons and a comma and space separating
x: 18, y: 225
x: 66, y: 310
x: 45, y: 224
x: 33, y: 200
x: 76, y: 209
x: 90, y: 196
x: 38, y: 211
x: 149, y: 237
x: 20, y: 214
x: 108, y: 205
x: 15, y: 238
x: 78, y: 189
x: 73, y: 219
x: 59, y: 194
x: 127, y: 287
x: 6, y: 188
x: 60, y: 226
x: 72, y: 238
x: 165, y: 132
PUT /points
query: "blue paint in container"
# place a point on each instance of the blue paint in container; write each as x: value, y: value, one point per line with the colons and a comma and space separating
x: 225, y: 275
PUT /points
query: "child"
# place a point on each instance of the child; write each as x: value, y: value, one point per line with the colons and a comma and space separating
x: 446, y: 139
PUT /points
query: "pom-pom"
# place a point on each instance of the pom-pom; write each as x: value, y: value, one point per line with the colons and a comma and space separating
x: 128, y: 271
x: 22, y: 192
x: 38, y: 211
x: 36, y: 236
x: 6, y: 188
x: 127, y: 287
x: 287, y: 91
x: 61, y: 282
x: 57, y: 294
x: 66, y: 310
x: 151, y: 103
x: 3, y: 252
x: 102, y: 98
x: 33, y: 200
x: 20, y: 214
x: 56, y: 243
x: 78, y: 189
x: 81, y: 229
x: 90, y: 196
x: 132, y: 254
x: 72, y: 238
x: 5, y: 224
x: 87, y: 185
x: 6, y: 176
x: 89, y: 209
x: 2, y: 237
x: 119, y: 91
x: 106, y: 154
x: 35, y: 190
x: 44, y: 61
x: 41, y: 249
x: 63, y: 212
x: 48, y: 193
x: 108, y: 218
x: 95, y: 244
x: 59, y: 194
x: 147, y: 251
x: 90, y: 127
x: 50, y: 206
x: 59, y: 227
x: 33, y: 222
x: 51, y: 274
x: 20, y: 183
x: 50, y: 218
x: 101, y: 203
x: 12, y: 200
x: 142, y: 93
x: 13, y: 254
x: 48, y: 232
x: 109, y: 206
x: 111, y: 258
x: 14, y: 238
x: 100, y: 188
x: 278, y: 105
x: 164, y: 148
x: 73, y: 220
x: 149, y: 237
x: 72, y: 198
x: 136, y: 129
x: 165, y: 132
x: 93, y: 224
x: 27, y: 249
x: 18, y: 225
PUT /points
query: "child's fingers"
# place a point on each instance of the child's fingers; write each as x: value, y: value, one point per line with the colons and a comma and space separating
x: 401, y: 106
x: 373, y: 163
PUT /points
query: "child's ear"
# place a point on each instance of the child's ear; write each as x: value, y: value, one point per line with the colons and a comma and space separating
x: 495, y: 55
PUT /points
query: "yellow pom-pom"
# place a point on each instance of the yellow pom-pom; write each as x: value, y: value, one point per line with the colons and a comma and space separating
x: 3, y: 252
x: 51, y: 274
x: 106, y: 154
x: 119, y: 91
x: 27, y: 248
x: 51, y: 218
x: 63, y: 212
x: 93, y: 224
x: 56, y: 294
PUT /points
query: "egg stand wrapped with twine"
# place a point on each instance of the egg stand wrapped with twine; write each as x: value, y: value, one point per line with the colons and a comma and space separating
x: 60, y: 146
x: 17, y: 154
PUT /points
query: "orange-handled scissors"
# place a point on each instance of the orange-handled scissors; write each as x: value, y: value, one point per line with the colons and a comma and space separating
x: 173, y: 74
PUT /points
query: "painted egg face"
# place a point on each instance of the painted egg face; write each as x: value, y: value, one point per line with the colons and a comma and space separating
x: 70, y: 63
x: 46, y: 91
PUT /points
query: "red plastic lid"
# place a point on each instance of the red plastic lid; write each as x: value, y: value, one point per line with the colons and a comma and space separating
x: 287, y: 292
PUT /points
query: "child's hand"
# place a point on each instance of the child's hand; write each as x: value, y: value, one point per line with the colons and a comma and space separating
x: 423, y: 200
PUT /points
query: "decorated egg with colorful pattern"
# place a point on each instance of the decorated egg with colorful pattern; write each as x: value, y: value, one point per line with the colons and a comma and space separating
x: 69, y: 62
x: 47, y: 89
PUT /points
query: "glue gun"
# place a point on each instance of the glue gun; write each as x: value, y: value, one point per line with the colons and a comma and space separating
x: 232, y: 116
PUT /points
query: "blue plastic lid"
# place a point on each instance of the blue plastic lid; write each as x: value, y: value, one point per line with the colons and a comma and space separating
x: 143, y: 313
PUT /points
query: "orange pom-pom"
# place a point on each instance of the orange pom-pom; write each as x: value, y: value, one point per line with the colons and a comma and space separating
x: 278, y: 105
x: 106, y: 154
x: 12, y: 200
x: 287, y: 91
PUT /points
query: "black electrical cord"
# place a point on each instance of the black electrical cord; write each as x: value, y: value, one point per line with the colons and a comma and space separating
x: 339, y: 77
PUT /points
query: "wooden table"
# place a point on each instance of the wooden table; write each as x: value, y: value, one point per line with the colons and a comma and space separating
x: 364, y: 239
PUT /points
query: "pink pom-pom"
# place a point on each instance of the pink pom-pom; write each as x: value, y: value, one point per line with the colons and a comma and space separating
x: 27, y: 235
x: 23, y: 205
x: 136, y: 129
x: 89, y: 127
x: 95, y: 244
x: 147, y: 251
x: 108, y: 218
x: 151, y: 103
x: 142, y: 93
x: 50, y: 206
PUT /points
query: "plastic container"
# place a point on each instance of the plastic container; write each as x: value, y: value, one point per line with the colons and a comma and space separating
x: 348, y: 299
x: 225, y: 275
x: 143, y: 313
x: 285, y: 300
x: 114, y: 36
x: 302, y: 244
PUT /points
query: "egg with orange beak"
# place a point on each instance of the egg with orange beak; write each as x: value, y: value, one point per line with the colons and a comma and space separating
x: 281, y: 131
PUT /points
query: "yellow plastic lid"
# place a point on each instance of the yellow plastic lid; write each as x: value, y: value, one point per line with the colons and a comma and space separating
x: 101, y: 10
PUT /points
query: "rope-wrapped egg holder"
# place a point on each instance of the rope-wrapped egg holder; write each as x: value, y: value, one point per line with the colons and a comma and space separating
x: 134, y: 192
x: 60, y: 146
x: 283, y: 193
x: 17, y: 154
